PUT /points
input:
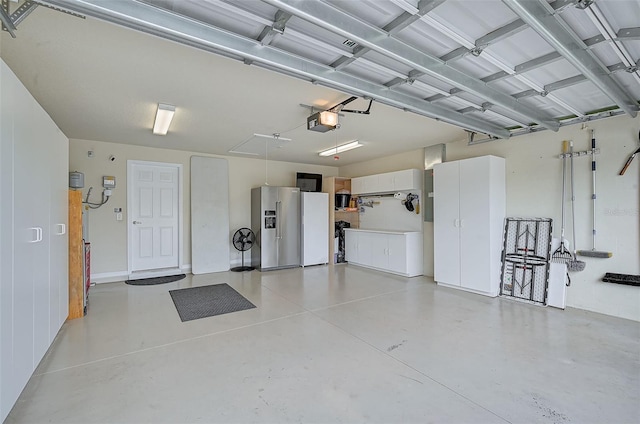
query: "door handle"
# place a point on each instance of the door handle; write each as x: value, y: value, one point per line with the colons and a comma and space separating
x: 38, y: 234
x: 62, y: 229
x: 278, y: 219
x: 137, y: 222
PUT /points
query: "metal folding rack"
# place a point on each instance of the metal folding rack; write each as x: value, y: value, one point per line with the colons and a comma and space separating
x: 525, y: 259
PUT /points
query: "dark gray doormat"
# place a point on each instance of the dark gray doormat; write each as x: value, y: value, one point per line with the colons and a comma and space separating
x: 155, y: 280
x: 207, y: 301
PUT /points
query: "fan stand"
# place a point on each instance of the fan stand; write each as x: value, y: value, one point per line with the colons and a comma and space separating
x: 243, y: 267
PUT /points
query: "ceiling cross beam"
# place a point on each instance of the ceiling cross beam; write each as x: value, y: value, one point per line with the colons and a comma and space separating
x: 542, y: 19
x: 496, y: 35
x: 395, y: 26
x: 340, y: 22
x: 538, y: 61
x: 169, y: 25
x: 628, y: 34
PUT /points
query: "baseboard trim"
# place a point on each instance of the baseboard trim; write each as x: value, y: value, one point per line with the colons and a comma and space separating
x: 121, y: 276
x: 109, y: 277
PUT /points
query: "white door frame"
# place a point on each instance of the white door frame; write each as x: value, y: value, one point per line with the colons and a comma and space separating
x: 163, y: 271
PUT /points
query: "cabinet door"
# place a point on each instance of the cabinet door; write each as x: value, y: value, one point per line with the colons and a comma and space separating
x: 475, y: 253
x: 397, y: 253
x: 8, y: 388
x: 351, y: 246
x: 26, y: 236
x: 446, y: 187
x: 365, y: 185
x: 59, y: 248
x: 370, y: 184
x: 357, y: 185
x: 40, y: 165
x: 365, y: 248
x: 404, y: 180
x: 386, y: 182
x: 378, y: 245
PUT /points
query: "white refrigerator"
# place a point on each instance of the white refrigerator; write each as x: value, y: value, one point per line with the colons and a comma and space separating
x: 315, y: 228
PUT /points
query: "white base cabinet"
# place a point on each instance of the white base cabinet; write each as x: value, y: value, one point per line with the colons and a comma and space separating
x: 390, y: 251
x: 468, y: 216
x: 34, y: 285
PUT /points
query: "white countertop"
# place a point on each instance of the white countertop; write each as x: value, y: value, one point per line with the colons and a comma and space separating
x: 381, y: 231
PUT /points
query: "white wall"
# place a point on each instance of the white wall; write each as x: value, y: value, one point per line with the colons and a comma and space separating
x: 388, y: 213
x: 534, y: 190
x: 108, y: 237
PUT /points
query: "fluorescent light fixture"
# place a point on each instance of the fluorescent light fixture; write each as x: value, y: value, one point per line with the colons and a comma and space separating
x: 322, y: 121
x: 164, y: 115
x: 342, y: 148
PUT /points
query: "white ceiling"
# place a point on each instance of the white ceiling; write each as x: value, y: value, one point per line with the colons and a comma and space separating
x: 101, y: 81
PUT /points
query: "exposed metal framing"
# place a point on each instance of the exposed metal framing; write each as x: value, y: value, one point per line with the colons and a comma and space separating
x: 496, y: 35
x: 600, y: 21
x: 623, y: 34
x: 449, y: 31
x: 395, y: 26
x: 22, y: 12
x: 542, y: 17
x: 542, y: 20
x: 7, y: 23
x: 167, y: 24
x: 335, y: 20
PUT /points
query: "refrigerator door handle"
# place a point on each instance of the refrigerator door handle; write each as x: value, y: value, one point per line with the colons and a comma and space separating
x: 278, y: 224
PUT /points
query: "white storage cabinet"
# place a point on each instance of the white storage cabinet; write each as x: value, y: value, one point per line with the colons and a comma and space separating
x: 405, y: 180
x: 469, y: 212
x: 34, y: 291
x: 390, y: 251
x: 314, y: 208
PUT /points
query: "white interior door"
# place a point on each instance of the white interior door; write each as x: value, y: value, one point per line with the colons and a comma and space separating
x: 154, y: 216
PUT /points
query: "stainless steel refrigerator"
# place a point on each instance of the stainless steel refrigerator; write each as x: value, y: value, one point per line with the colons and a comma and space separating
x: 275, y: 219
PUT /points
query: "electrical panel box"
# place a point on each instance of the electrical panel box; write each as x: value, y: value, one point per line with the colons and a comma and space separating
x: 108, y: 182
x: 76, y: 179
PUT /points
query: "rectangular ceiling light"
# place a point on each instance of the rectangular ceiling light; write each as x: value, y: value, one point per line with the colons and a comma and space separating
x: 164, y: 115
x: 322, y: 121
x: 342, y: 148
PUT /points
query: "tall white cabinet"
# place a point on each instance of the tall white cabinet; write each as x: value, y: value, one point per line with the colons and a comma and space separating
x: 33, y: 248
x: 469, y: 212
x: 314, y: 219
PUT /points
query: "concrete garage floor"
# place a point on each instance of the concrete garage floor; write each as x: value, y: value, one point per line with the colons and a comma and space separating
x: 335, y: 344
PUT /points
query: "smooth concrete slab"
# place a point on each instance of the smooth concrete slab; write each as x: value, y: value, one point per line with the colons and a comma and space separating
x: 335, y: 344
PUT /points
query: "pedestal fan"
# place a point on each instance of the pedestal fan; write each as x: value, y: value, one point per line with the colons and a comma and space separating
x: 243, y: 240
